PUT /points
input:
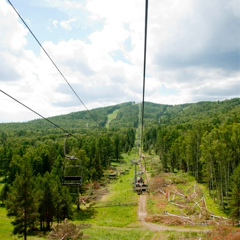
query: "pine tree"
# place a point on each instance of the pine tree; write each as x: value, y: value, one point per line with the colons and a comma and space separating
x: 21, y: 203
x: 46, y: 206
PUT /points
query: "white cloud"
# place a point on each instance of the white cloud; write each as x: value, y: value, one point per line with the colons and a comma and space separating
x: 192, y: 32
x: 64, y: 24
x: 55, y: 23
x: 191, y: 55
x: 11, y: 40
x: 67, y: 24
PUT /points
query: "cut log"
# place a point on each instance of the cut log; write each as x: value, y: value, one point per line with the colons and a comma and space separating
x: 161, y: 191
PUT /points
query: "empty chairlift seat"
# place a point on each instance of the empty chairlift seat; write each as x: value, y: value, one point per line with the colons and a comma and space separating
x: 72, y: 180
x: 72, y: 175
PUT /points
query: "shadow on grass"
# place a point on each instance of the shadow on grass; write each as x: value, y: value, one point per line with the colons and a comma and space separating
x: 2, y: 205
x: 84, y: 214
x: 2, y: 180
x: 38, y: 234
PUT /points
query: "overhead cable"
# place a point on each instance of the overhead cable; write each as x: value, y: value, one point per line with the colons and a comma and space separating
x: 144, y: 69
x: 54, y: 124
x: 55, y: 65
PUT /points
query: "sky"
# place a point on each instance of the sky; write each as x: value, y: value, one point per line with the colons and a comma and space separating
x: 193, y: 54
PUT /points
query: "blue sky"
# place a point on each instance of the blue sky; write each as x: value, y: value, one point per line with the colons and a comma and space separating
x: 193, y: 53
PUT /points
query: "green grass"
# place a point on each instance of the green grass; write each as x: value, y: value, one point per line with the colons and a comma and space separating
x: 212, y: 206
x: 112, y: 218
x: 1, y: 186
x: 6, y: 227
x: 117, y: 210
x: 117, y: 234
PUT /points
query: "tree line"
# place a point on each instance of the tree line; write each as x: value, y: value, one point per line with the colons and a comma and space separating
x: 31, y: 168
x: 210, y: 151
x: 202, y: 139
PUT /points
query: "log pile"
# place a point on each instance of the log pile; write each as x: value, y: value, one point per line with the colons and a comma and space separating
x: 190, y: 204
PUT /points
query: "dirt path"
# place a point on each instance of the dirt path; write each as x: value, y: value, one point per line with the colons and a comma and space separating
x: 142, y: 214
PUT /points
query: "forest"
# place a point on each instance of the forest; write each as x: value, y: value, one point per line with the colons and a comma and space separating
x: 202, y: 139
x: 208, y: 148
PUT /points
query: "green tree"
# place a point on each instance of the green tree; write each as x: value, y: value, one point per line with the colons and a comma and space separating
x: 104, y: 150
x: 116, y: 147
x: 235, y: 145
x: 217, y: 158
x: 21, y: 203
x: 235, y: 200
x: 193, y: 152
x: 62, y: 201
x: 46, y: 205
x: 55, y: 202
x: 14, y: 168
x: 5, y: 159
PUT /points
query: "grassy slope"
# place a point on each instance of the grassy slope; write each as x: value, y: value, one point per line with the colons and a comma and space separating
x: 111, y: 211
x: 110, y: 219
x: 5, y: 225
x: 110, y: 223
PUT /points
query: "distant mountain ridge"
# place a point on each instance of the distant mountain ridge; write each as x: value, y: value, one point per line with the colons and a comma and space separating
x: 128, y: 115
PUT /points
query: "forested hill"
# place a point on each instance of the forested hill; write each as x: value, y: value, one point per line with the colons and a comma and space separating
x: 128, y: 115
x: 201, y: 139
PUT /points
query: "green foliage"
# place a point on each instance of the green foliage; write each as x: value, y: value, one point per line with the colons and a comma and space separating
x: 202, y: 139
x: 119, y: 208
x: 235, y: 200
x: 116, y: 234
x: 127, y: 116
x: 21, y: 203
x: 208, y: 152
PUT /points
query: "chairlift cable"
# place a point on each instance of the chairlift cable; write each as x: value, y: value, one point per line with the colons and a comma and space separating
x: 54, y: 124
x: 139, y: 185
x: 55, y: 65
x: 144, y: 72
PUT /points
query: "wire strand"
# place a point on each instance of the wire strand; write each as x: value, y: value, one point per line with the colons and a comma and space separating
x: 144, y: 70
x: 55, y: 65
x: 54, y: 124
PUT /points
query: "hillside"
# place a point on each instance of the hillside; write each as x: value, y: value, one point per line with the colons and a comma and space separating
x: 127, y: 115
x: 200, y: 140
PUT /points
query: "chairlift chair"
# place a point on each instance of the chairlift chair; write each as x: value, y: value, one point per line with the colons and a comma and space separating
x: 139, y: 185
x: 72, y: 173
